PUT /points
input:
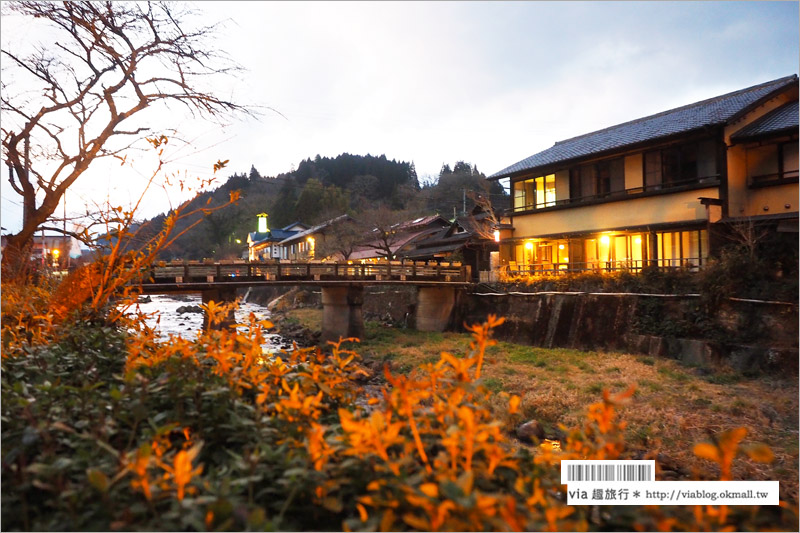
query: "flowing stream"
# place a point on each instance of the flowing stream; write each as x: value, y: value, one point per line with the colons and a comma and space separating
x: 167, y: 319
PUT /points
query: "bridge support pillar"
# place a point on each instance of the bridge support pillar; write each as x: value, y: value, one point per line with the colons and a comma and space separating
x: 341, y: 312
x: 434, y: 307
x: 223, y: 295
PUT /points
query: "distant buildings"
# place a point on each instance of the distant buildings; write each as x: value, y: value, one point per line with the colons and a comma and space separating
x: 264, y: 243
x: 53, y: 250
x: 305, y: 245
x: 655, y: 191
x: 468, y: 239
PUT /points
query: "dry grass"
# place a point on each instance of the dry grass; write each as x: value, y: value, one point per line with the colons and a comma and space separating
x: 309, y: 317
x: 674, y: 407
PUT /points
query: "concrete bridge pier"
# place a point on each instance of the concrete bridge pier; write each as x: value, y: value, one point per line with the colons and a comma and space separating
x: 341, y: 312
x: 219, y: 295
x: 434, y: 307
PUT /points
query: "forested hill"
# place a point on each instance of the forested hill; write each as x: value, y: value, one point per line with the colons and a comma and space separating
x: 349, y: 172
x: 319, y: 189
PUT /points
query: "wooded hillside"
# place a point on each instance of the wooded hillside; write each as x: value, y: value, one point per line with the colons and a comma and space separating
x: 320, y: 189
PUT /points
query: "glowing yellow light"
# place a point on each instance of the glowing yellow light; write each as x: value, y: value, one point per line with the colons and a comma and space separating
x: 560, y: 246
x: 496, y: 235
x: 56, y: 252
x: 604, y: 239
x: 566, y: 259
x: 238, y: 241
x: 638, y: 240
x: 262, y: 223
x: 529, y: 245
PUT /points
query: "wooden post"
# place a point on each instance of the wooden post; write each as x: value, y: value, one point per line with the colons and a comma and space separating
x: 278, y: 274
x: 185, y: 271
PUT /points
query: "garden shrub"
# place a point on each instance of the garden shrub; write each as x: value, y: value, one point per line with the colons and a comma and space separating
x: 105, y: 428
x: 648, y: 280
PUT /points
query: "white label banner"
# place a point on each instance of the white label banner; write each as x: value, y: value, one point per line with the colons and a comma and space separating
x: 673, y: 493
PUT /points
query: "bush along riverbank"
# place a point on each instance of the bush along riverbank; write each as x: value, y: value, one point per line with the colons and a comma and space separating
x: 105, y: 428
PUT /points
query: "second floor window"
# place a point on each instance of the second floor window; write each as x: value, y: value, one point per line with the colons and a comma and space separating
x: 597, y: 179
x: 535, y: 193
x: 545, y: 191
x: 681, y: 164
x: 772, y: 164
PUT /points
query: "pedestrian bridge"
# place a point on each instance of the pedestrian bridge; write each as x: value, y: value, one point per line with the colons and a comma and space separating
x: 342, y: 286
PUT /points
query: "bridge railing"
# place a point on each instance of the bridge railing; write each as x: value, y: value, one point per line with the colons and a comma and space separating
x: 194, y: 272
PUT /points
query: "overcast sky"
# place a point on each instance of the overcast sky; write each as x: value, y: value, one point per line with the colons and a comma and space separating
x: 489, y: 83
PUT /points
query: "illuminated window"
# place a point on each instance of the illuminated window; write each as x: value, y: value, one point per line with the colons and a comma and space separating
x: 535, y: 193
x: 682, y: 248
x: 545, y: 191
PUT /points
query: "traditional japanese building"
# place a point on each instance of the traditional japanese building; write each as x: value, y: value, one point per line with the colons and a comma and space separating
x: 650, y: 191
x: 263, y: 243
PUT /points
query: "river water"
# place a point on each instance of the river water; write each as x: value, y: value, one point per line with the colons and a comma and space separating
x: 166, y: 320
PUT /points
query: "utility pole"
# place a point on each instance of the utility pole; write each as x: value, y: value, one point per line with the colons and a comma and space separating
x: 464, y: 202
x: 27, y: 177
x: 65, y: 231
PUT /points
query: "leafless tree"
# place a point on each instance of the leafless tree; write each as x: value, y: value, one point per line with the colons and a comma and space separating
x: 486, y: 220
x: 748, y: 235
x: 71, y: 99
x: 384, y: 229
x: 342, y: 238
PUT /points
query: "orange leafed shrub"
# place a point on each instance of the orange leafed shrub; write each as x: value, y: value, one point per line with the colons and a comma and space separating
x: 307, y: 449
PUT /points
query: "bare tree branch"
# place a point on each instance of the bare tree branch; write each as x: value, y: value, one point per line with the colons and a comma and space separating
x: 86, y: 84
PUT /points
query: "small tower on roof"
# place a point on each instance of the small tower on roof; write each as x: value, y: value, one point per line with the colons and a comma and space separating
x: 263, y: 227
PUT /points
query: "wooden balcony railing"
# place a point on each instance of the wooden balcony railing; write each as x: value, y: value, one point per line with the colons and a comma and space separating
x: 200, y: 272
x: 632, y: 265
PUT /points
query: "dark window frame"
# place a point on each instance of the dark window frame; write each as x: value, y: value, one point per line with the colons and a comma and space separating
x: 598, y: 176
x: 674, y: 165
x: 783, y: 176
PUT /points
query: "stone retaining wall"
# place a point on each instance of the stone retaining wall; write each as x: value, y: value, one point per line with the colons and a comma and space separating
x: 749, y: 336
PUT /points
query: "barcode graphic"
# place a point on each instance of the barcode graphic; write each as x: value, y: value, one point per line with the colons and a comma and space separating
x: 572, y: 471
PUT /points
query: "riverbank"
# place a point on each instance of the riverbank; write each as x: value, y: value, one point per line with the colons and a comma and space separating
x: 675, y: 405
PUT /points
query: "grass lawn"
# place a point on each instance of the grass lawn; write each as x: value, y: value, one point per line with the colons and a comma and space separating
x: 675, y: 406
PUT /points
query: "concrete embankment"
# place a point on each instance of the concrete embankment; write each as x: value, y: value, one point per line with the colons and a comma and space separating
x: 745, y: 334
x: 748, y: 335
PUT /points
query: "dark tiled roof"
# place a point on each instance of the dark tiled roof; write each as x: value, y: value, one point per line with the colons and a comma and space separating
x: 714, y: 111
x: 776, y: 121
x: 271, y: 235
x: 300, y: 235
x: 430, y: 251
